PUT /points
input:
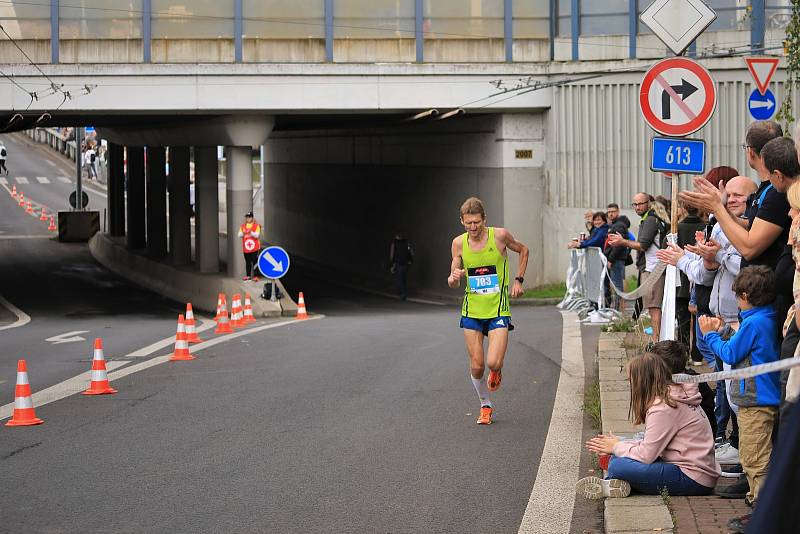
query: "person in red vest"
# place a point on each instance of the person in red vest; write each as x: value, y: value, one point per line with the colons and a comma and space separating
x: 250, y: 232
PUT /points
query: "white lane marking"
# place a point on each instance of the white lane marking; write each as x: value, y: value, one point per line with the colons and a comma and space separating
x: 98, y: 193
x: 68, y: 387
x: 65, y: 338
x: 42, y: 180
x: 64, y: 179
x: 51, y: 163
x: 167, y: 341
x: 22, y: 317
x: 552, y: 497
x: 4, y: 181
x: 22, y: 180
x: 3, y: 237
x: 78, y: 383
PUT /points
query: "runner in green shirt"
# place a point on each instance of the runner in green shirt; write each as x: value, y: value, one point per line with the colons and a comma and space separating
x: 481, y: 256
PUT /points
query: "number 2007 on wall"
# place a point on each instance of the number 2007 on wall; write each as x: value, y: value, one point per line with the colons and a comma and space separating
x: 682, y: 156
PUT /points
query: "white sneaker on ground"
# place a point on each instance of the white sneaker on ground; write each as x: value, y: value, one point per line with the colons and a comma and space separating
x: 597, y: 488
x: 727, y: 454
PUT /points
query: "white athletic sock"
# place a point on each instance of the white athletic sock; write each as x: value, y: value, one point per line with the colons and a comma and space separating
x: 482, y: 389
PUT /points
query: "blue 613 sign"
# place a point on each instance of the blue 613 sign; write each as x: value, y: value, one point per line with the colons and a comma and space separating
x: 680, y: 156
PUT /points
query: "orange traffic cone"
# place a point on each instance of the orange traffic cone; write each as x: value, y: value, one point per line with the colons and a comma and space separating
x: 181, y: 345
x: 220, y: 304
x: 24, y: 414
x: 236, y: 311
x: 43, y: 216
x: 99, y: 384
x: 301, y: 308
x: 223, y: 325
x: 248, y: 310
x: 14, y: 191
x: 29, y: 209
x: 52, y: 226
x: 21, y: 199
x: 191, y: 334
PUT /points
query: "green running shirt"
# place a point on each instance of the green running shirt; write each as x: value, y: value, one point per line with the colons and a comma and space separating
x: 486, y: 292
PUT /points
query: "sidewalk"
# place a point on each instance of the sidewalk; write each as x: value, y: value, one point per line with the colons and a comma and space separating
x: 644, y: 513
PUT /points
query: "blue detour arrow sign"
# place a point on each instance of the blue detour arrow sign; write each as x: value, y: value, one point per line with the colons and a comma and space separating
x: 761, y: 107
x: 273, y: 262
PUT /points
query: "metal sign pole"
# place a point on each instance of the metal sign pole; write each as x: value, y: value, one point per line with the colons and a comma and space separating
x: 674, y: 226
x: 78, y: 161
x: 274, y: 282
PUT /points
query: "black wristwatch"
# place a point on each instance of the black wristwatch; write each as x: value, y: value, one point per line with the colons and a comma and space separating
x: 520, y: 279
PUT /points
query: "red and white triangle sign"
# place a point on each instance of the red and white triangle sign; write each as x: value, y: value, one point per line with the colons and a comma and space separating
x: 762, y: 69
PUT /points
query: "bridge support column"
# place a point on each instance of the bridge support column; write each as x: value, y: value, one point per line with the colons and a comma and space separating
x: 116, y: 190
x: 180, y: 231
x: 239, y: 201
x: 156, y: 202
x: 206, y: 219
x: 135, y: 208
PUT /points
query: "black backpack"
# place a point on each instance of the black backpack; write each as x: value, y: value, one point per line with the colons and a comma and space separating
x: 3, y: 151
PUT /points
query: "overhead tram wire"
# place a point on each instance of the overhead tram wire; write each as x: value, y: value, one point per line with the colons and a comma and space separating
x: 529, y: 88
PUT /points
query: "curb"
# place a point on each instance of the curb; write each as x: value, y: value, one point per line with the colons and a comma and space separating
x: 638, y: 514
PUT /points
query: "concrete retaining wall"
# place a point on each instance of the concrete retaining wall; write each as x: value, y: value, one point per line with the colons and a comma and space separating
x: 182, y: 285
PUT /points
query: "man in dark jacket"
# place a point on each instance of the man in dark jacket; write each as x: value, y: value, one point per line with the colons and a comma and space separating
x: 617, y: 257
x: 686, y: 236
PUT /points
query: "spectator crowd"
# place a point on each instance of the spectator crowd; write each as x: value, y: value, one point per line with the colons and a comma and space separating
x: 736, y: 248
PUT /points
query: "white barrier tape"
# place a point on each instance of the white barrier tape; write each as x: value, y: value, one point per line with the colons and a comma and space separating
x: 644, y: 288
x: 737, y: 374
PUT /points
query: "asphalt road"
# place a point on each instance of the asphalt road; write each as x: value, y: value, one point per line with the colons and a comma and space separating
x: 363, y: 421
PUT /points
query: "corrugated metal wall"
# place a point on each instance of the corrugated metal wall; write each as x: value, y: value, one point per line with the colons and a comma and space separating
x: 599, y: 144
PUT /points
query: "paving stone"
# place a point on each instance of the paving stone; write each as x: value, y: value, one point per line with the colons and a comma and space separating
x: 633, y: 519
x: 635, y: 500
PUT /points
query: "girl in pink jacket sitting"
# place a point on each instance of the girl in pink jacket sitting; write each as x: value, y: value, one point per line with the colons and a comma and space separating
x: 677, y: 450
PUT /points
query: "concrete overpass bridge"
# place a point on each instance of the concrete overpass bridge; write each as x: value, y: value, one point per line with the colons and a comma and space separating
x: 359, y: 108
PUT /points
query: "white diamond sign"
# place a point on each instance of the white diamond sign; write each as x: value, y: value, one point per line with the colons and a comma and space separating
x: 678, y: 22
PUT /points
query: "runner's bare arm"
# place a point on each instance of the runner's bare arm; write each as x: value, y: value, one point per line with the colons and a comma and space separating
x: 456, y: 266
x: 508, y: 240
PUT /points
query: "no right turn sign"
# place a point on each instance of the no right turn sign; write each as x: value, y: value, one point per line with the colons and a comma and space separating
x: 677, y: 96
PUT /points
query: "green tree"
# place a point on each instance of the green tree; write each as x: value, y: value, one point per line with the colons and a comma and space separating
x: 792, y: 47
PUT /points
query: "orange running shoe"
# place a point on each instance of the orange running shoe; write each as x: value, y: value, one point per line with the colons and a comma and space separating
x: 493, y: 382
x: 486, y: 416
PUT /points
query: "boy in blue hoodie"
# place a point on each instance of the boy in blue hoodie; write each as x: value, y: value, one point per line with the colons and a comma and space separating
x: 754, y: 343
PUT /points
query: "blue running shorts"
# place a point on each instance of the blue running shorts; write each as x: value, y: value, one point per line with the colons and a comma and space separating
x: 485, y: 325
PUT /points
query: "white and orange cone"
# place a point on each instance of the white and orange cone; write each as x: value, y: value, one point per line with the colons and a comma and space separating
x: 24, y: 414
x: 236, y: 311
x: 14, y: 191
x: 52, y: 227
x: 21, y: 199
x: 223, y: 324
x: 43, y: 216
x: 99, y: 384
x: 191, y: 334
x: 301, y: 308
x: 220, y: 304
x: 248, y: 310
x: 29, y: 209
x: 181, y: 345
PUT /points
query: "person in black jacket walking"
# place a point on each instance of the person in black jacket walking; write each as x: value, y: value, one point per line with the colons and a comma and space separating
x: 618, y: 257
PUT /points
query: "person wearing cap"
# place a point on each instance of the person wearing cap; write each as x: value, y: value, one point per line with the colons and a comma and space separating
x: 249, y: 231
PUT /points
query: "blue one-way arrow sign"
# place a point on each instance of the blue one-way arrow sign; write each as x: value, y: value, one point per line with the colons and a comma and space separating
x: 273, y: 262
x: 761, y: 107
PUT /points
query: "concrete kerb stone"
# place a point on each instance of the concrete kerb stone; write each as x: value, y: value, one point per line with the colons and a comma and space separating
x: 640, y: 513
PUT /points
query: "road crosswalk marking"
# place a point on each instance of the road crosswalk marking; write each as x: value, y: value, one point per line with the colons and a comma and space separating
x: 42, y: 180
x: 64, y: 179
x: 3, y: 181
x: 22, y: 180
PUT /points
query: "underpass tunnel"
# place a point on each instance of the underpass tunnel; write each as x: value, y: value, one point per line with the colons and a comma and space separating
x: 335, y: 191
x: 335, y: 196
